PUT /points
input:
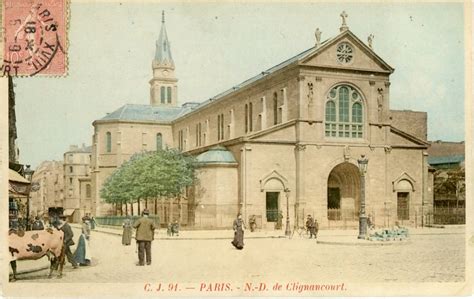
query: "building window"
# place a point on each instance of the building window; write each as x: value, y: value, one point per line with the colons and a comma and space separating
x: 88, y: 191
x: 108, y: 141
x: 70, y: 169
x: 275, y: 108
x: 246, y: 118
x: 70, y: 181
x: 198, y: 134
x: 162, y: 94
x: 220, y: 127
x: 344, y: 113
x: 168, y: 94
x: 250, y: 118
x: 180, y: 140
x: 159, y: 141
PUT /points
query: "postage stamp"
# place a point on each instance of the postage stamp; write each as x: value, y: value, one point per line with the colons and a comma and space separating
x: 35, y: 37
x: 235, y: 149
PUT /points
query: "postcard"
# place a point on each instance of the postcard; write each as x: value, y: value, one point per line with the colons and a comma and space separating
x: 160, y: 148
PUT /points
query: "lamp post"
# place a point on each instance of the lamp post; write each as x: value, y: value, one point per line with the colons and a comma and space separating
x: 363, y: 161
x: 28, y: 175
x: 287, y: 229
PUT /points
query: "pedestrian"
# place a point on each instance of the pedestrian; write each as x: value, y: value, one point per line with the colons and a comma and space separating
x: 316, y: 228
x: 37, y: 224
x: 144, y: 235
x: 127, y: 231
x: 239, y: 228
x: 82, y: 254
x: 370, y: 224
x: 175, y: 228
x: 68, y: 239
x: 310, y: 226
x: 93, y: 223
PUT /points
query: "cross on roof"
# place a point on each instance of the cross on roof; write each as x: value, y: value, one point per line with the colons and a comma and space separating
x: 344, y: 26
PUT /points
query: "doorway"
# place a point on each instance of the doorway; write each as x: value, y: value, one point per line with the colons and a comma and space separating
x: 272, y: 206
x: 403, y: 208
x: 343, y: 193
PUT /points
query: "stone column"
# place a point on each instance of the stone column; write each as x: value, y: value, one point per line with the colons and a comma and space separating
x: 300, y: 201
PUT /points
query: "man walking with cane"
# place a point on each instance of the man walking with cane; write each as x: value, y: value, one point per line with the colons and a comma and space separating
x: 145, y: 234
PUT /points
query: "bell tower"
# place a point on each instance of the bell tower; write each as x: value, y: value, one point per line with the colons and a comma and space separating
x: 163, y: 85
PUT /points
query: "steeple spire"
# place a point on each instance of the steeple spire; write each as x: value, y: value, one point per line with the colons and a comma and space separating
x: 163, y: 84
x: 163, y: 50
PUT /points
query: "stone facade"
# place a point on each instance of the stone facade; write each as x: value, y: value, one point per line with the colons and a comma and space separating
x: 50, y: 194
x: 296, y: 132
x: 77, y: 182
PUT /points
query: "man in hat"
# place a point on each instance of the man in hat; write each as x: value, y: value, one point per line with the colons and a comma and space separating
x: 144, y: 235
x: 68, y: 239
x: 310, y: 227
x: 37, y: 224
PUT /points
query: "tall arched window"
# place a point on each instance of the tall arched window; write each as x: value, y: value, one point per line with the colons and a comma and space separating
x: 246, y: 118
x: 108, y: 142
x: 344, y: 113
x: 159, y: 141
x: 162, y: 94
x: 250, y: 118
x: 168, y: 94
x: 275, y: 108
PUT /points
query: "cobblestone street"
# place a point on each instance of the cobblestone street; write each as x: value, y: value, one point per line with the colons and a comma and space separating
x: 432, y: 257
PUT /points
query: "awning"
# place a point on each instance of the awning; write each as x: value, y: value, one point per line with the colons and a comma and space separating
x: 68, y: 212
x: 16, y: 177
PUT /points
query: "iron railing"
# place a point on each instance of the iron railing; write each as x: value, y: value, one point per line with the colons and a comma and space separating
x: 119, y: 220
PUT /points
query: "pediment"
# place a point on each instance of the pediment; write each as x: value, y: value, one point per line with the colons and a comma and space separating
x: 363, y: 57
x: 404, y: 182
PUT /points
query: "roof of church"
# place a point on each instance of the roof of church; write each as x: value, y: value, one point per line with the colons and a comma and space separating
x: 262, y: 74
x: 217, y: 154
x: 298, y: 57
x: 163, y: 49
x: 136, y: 112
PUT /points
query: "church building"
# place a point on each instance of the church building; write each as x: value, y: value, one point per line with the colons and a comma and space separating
x: 285, y: 143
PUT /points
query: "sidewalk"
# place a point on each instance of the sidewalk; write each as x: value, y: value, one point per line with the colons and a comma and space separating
x: 323, y: 235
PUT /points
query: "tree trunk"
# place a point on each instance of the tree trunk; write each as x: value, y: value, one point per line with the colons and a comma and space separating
x: 126, y: 209
x: 146, y: 203
x: 121, y: 209
x: 156, y: 206
x: 131, y: 208
x: 138, y: 207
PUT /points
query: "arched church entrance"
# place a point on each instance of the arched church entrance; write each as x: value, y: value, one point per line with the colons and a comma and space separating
x: 343, y: 193
x: 274, y: 194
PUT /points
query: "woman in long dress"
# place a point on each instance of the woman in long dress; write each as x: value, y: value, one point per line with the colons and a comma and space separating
x: 127, y: 232
x: 82, y: 253
x: 239, y: 228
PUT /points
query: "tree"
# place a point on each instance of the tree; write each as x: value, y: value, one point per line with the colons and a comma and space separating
x: 164, y: 173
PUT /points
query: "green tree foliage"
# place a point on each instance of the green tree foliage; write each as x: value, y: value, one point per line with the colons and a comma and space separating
x: 450, y: 184
x: 164, y: 173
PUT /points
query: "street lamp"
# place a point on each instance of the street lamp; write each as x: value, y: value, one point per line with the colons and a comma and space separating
x: 287, y: 229
x: 363, y: 161
x: 28, y: 175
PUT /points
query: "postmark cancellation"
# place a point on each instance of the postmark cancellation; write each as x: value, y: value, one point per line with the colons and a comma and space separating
x: 34, y: 37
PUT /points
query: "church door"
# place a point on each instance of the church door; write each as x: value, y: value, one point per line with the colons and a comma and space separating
x: 272, y: 206
x: 403, y: 211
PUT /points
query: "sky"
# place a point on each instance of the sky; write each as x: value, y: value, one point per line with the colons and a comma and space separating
x: 216, y: 46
